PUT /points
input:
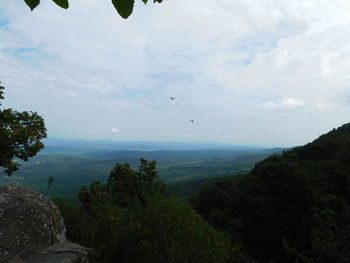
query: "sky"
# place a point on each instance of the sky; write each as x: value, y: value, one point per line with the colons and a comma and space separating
x: 248, y: 72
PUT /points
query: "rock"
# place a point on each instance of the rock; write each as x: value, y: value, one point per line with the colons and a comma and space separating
x: 64, y: 252
x: 32, y: 228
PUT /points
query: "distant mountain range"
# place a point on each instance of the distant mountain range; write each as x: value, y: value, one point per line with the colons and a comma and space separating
x: 55, y: 145
x: 74, y: 163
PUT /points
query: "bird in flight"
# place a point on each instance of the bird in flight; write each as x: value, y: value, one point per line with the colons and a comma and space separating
x: 172, y: 98
x: 192, y: 121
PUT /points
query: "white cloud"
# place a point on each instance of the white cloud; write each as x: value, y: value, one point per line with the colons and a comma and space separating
x: 286, y: 103
x: 84, y: 66
x: 114, y: 130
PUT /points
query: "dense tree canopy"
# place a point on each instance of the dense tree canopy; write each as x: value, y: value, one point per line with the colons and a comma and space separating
x: 293, y: 207
x: 20, y: 136
x: 133, y: 219
x: 123, y: 7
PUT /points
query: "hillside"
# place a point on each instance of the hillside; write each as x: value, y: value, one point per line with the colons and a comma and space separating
x: 93, y: 161
x: 293, y: 207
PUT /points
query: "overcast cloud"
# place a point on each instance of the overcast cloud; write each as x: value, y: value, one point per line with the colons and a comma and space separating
x: 271, y: 73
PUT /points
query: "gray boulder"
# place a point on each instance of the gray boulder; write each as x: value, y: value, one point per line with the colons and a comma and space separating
x: 64, y: 252
x: 32, y: 229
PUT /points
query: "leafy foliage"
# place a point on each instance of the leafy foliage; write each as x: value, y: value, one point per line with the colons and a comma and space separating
x: 123, y: 7
x: 293, y: 207
x: 135, y: 188
x: 50, y: 182
x: 132, y: 219
x: 62, y: 3
x: 32, y: 3
x: 20, y: 136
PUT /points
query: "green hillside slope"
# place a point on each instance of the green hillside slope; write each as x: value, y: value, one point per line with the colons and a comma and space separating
x: 73, y: 170
x: 293, y: 207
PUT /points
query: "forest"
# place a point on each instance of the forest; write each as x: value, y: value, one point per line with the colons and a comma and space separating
x: 245, y: 72
x: 74, y: 166
x: 292, y: 207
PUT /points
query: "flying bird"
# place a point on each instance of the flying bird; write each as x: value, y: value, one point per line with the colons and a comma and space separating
x: 172, y: 98
x: 192, y: 121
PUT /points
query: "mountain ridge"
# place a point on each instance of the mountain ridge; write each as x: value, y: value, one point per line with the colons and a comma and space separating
x: 293, y: 207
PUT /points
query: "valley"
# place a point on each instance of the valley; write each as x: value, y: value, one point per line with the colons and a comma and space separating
x: 77, y: 163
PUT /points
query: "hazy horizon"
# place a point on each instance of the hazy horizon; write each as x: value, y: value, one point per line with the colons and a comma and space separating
x: 54, y: 144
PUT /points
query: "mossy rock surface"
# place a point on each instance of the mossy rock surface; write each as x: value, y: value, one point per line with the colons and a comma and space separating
x: 28, y: 221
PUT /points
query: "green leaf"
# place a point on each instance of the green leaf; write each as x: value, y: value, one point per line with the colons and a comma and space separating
x: 124, y: 7
x: 159, y: 1
x: 145, y: 1
x: 32, y: 3
x: 62, y: 3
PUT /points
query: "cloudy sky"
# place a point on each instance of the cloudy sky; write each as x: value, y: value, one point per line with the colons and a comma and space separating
x: 258, y: 72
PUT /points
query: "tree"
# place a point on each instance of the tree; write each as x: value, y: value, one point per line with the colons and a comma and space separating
x: 131, y: 219
x: 123, y: 7
x: 131, y: 187
x: 125, y: 187
x: 293, y: 207
x: 50, y: 182
x: 20, y: 136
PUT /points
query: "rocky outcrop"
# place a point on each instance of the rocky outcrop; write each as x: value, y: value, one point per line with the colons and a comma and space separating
x: 64, y: 252
x: 32, y: 229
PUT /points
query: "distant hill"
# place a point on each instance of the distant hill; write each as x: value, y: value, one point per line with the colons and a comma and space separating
x: 61, y: 145
x: 74, y: 163
x: 293, y: 207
